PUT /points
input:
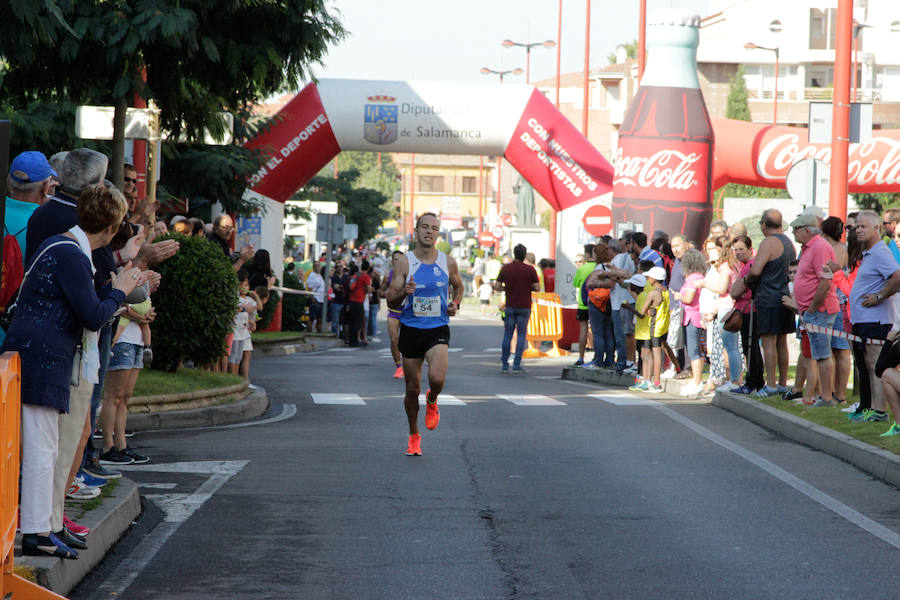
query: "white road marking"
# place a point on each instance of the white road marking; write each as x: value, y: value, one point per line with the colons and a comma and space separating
x: 531, y: 400
x: 158, y: 486
x: 178, y: 508
x: 811, y: 492
x: 491, y: 355
x: 493, y: 350
x: 443, y: 400
x: 348, y: 399
x: 623, y: 400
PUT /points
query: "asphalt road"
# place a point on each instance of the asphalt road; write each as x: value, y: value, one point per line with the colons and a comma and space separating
x: 532, y: 487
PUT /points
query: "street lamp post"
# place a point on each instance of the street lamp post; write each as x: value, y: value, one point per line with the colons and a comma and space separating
x: 516, y: 71
x: 528, y: 47
x: 486, y: 71
x: 776, y: 50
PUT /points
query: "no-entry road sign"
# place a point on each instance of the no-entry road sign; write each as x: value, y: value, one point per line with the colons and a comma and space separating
x: 597, y: 220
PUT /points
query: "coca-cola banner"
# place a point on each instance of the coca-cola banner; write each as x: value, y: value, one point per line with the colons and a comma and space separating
x: 555, y: 158
x: 297, y: 145
x: 755, y: 154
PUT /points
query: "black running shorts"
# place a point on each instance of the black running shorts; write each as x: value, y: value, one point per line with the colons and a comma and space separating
x: 414, y: 343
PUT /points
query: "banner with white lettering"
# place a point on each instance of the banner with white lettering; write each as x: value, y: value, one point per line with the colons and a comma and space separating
x: 555, y: 158
x: 756, y: 154
x: 489, y: 119
x: 426, y: 117
x: 297, y: 145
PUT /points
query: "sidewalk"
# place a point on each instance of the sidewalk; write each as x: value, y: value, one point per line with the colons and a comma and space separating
x: 880, y: 463
x: 110, y: 516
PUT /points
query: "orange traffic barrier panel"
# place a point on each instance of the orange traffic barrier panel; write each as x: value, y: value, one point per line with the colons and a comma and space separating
x: 544, y: 325
x: 11, y: 585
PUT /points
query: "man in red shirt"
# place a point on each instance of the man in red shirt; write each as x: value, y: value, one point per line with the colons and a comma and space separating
x: 360, y: 286
x: 518, y: 280
x: 816, y: 299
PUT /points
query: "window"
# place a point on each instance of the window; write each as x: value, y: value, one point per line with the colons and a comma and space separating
x: 469, y: 185
x: 817, y: 29
x: 431, y: 183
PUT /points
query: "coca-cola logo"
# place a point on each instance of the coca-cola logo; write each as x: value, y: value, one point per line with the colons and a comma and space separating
x: 876, y: 162
x: 668, y: 169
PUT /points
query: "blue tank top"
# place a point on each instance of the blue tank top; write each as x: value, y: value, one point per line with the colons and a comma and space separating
x: 427, y: 307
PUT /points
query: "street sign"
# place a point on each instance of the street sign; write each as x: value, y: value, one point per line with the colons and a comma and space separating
x: 597, y: 220
x: 506, y: 220
x: 486, y: 238
x: 497, y: 232
x: 808, y: 181
x: 351, y: 231
x: 329, y: 228
x: 820, y: 122
x: 96, y: 123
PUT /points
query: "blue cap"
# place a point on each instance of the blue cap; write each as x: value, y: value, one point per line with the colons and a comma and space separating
x: 30, y: 167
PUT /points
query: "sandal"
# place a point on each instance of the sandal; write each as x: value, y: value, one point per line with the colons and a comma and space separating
x: 46, y: 545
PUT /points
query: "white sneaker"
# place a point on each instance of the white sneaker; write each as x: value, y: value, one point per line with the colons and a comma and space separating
x: 79, y: 492
x: 691, y: 389
x: 631, y: 369
x: 851, y: 408
x: 668, y: 373
x: 727, y: 387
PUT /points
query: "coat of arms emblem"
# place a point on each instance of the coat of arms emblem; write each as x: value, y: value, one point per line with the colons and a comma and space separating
x: 380, y: 120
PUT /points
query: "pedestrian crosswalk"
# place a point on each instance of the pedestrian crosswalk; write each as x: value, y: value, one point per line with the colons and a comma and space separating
x: 524, y: 400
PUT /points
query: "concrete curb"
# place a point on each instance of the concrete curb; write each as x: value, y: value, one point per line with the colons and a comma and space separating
x: 880, y: 463
x: 876, y: 461
x: 285, y: 349
x: 250, y: 406
x: 107, y: 522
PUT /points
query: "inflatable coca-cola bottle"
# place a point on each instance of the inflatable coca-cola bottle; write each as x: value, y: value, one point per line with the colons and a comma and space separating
x: 665, y: 152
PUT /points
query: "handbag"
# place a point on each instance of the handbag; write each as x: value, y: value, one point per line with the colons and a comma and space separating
x: 6, y: 317
x: 733, y: 321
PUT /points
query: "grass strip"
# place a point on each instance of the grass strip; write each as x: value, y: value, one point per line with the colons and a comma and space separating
x: 833, y: 418
x: 151, y: 383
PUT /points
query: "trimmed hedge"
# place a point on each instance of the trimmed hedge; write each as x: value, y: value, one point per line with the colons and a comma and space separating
x: 294, y: 307
x: 195, y: 304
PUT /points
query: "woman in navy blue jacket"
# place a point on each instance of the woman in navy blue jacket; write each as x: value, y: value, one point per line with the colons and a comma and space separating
x: 57, y: 304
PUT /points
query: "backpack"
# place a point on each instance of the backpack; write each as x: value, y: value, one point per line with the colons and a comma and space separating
x: 12, y: 269
x: 599, y: 297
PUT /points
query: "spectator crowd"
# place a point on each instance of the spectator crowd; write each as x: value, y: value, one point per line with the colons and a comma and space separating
x: 721, y: 315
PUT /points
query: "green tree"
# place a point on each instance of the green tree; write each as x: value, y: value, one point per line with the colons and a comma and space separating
x: 630, y: 52
x: 362, y: 206
x: 738, y: 106
x: 198, y: 56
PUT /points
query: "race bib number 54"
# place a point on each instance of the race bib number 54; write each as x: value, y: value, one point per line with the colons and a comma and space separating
x: 427, y: 306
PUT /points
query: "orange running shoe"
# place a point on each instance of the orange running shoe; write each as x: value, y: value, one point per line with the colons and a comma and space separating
x: 415, y: 445
x: 432, y: 414
x: 398, y: 374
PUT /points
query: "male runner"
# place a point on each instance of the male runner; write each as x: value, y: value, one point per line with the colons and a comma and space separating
x: 393, y: 318
x: 419, y: 290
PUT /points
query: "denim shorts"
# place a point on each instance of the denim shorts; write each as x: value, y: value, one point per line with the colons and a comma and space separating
x: 693, y: 341
x: 839, y: 343
x: 126, y: 356
x: 819, y: 343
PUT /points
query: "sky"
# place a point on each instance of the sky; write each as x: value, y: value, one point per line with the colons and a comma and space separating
x: 439, y: 40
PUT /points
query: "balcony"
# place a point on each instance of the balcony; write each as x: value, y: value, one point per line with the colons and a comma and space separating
x: 817, y: 94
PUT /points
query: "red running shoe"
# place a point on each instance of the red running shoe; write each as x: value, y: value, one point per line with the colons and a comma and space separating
x: 432, y: 414
x: 415, y: 445
x: 75, y: 527
x: 398, y: 374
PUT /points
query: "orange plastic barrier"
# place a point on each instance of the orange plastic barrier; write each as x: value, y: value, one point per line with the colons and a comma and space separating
x: 544, y: 325
x: 11, y: 585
